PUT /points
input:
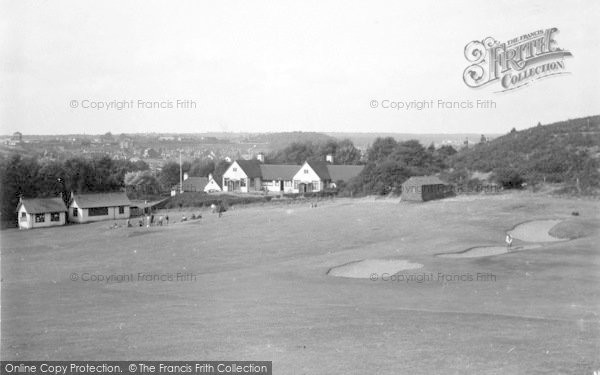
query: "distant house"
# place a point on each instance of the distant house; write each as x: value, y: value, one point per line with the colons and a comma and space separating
x: 242, y: 176
x: 251, y: 175
x: 315, y: 176
x: 15, y: 139
x: 425, y: 188
x: 84, y: 208
x: 212, y: 186
x: 343, y: 173
x: 41, y: 212
x: 197, y: 184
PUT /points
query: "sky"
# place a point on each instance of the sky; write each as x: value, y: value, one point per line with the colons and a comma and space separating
x: 267, y: 66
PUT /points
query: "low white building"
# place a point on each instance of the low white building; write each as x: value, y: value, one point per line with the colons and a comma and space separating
x: 212, y: 186
x: 277, y: 178
x: 315, y: 176
x: 251, y: 175
x: 85, y: 208
x: 197, y: 184
x: 41, y: 212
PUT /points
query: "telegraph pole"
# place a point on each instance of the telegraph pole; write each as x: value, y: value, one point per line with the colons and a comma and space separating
x: 180, y: 174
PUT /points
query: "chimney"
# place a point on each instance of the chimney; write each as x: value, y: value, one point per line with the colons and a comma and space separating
x: 260, y: 157
x: 185, y: 176
x: 329, y: 158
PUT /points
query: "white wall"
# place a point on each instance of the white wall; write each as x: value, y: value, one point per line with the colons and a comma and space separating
x: 212, y: 185
x: 235, y: 173
x: 275, y: 186
x: 29, y: 221
x: 306, y: 178
x: 84, y: 217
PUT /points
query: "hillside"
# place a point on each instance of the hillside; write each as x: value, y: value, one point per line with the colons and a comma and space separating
x: 558, y: 152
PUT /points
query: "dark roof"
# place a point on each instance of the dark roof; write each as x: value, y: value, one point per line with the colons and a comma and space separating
x: 101, y: 200
x: 344, y: 172
x: 250, y: 167
x: 278, y: 171
x: 320, y: 168
x: 195, y: 183
x: 423, y: 180
x: 42, y: 205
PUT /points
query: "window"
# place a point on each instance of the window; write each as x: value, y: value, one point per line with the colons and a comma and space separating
x: 121, y: 210
x: 23, y: 216
x: 243, y: 182
x: 315, y: 185
x: 296, y: 184
x: 98, y: 211
x: 40, y: 218
x: 235, y: 169
x: 75, y: 212
x: 306, y: 171
x: 55, y: 216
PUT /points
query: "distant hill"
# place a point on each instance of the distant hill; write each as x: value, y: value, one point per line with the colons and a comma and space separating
x: 558, y: 152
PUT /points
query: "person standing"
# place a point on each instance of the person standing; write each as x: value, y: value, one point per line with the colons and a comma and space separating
x: 509, y: 241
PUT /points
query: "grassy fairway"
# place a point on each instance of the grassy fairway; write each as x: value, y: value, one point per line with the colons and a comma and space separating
x: 262, y: 293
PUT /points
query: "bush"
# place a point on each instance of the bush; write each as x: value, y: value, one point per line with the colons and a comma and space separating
x: 509, y: 178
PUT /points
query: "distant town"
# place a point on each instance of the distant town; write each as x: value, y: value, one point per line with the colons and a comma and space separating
x: 158, y: 149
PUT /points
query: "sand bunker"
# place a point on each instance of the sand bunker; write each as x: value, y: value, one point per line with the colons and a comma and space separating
x: 531, y: 231
x: 535, y: 231
x: 363, y: 269
x: 486, y: 251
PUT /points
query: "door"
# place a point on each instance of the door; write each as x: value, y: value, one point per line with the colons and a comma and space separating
x: 280, y: 185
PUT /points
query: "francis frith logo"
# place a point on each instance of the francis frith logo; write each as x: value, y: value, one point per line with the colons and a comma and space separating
x: 514, y: 63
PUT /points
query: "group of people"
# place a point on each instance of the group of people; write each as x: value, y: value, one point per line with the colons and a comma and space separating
x: 149, y: 220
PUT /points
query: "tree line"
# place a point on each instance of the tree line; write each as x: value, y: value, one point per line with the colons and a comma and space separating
x: 30, y: 177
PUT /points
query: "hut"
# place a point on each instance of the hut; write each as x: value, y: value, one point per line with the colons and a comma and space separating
x: 425, y: 188
x: 99, y: 206
x: 41, y: 212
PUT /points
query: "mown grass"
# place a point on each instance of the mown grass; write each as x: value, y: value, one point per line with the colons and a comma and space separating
x: 261, y: 290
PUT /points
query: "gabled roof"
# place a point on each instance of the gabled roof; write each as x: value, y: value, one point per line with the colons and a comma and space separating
x: 278, y: 171
x: 42, y: 205
x: 320, y: 168
x: 250, y: 167
x: 211, y: 178
x: 423, y: 180
x: 344, y: 172
x: 195, y: 183
x: 101, y: 200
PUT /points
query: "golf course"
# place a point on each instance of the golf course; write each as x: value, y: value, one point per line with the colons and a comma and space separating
x: 351, y: 286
